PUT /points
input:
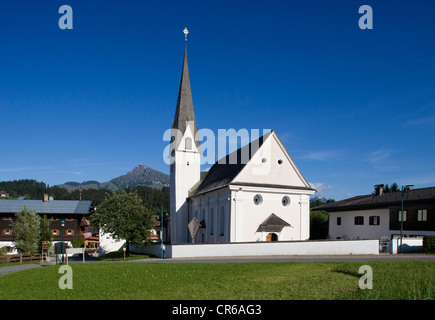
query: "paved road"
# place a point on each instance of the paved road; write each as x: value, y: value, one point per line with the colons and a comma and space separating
x: 5, y: 270
x: 341, y: 258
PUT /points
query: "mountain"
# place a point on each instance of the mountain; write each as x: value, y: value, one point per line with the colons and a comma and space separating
x: 140, y: 175
x: 318, y: 198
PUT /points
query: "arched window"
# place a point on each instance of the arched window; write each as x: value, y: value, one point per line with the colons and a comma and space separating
x: 211, y: 222
x: 188, y: 143
x: 222, y: 221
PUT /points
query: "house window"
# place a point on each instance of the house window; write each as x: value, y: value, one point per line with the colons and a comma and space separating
x: 374, y: 220
x: 338, y: 221
x: 55, y: 232
x: 359, y: 220
x: 69, y: 232
x: 258, y: 199
x: 7, y: 218
x: 7, y: 232
x: 422, y: 215
x: 399, y: 216
x: 188, y: 143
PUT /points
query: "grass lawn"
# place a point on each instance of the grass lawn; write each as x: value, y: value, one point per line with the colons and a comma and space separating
x: 226, y: 281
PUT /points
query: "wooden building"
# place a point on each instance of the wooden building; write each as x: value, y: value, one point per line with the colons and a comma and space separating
x: 73, y: 213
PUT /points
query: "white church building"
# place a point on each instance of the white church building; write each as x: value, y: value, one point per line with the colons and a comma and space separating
x: 254, y: 194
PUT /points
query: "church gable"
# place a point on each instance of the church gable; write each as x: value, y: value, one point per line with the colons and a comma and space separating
x: 272, y: 165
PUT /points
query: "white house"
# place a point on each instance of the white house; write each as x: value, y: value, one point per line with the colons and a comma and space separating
x: 379, y: 215
x: 256, y: 193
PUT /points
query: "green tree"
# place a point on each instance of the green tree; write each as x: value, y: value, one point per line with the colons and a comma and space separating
x: 394, y: 187
x: 45, y: 234
x: 26, y: 229
x: 125, y: 217
x: 319, y: 225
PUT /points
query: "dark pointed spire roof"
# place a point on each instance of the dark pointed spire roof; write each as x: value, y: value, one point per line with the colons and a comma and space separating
x: 184, y: 111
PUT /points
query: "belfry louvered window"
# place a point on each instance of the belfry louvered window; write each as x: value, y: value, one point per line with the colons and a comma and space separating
x: 188, y: 143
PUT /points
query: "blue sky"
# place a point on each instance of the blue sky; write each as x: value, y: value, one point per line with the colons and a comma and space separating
x: 353, y: 107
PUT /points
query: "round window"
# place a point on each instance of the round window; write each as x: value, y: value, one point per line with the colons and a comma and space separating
x: 258, y: 199
x: 264, y: 160
x: 280, y: 161
x: 285, y: 201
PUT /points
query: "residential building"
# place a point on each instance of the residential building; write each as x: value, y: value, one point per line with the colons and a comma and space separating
x: 73, y: 213
x: 379, y: 215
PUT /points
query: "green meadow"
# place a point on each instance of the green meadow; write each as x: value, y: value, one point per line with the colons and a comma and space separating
x: 396, y: 280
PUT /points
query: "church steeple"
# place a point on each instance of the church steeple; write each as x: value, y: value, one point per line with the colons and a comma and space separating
x: 184, y: 111
x: 185, y: 157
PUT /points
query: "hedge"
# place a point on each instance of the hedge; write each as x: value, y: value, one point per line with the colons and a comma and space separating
x: 429, y: 244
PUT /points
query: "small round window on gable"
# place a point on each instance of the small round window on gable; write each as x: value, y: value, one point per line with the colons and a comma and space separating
x: 280, y: 161
x: 258, y: 199
x: 264, y: 160
x: 285, y: 201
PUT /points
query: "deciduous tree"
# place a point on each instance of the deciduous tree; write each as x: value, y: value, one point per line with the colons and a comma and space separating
x: 26, y: 231
x: 125, y: 217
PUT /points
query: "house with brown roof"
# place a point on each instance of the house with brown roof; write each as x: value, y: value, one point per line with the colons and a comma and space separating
x: 379, y: 215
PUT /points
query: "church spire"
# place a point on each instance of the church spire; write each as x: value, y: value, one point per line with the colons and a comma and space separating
x: 184, y: 111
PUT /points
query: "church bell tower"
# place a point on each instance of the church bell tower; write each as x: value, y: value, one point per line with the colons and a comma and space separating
x: 185, y: 156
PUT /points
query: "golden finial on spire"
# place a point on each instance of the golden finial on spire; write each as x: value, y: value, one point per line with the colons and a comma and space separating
x: 185, y: 34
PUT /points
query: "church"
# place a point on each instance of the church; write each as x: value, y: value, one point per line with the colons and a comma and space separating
x: 253, y: 194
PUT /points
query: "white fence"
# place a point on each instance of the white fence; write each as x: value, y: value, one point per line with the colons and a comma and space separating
x: 409, y: 245
x: 325, y: 247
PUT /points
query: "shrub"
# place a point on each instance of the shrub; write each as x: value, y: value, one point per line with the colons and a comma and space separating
x: 78, y: 242
x: 429, y: 244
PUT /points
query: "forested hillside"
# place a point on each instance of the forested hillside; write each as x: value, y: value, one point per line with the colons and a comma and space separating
x: 34, y: 190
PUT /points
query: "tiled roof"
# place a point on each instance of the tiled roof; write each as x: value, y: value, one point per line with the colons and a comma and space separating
x: 49, y: 207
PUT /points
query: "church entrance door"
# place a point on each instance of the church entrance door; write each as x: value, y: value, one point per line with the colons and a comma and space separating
x: 271, y: 237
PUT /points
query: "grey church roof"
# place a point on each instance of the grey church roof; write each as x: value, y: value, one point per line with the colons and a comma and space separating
x: 223, y: 172
x: 365, y: 202
x: 49, y: 207
x: 184, y: 110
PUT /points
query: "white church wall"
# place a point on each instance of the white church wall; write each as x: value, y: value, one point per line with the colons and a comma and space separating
x: 242, y: 216
x: 214, y: 209
x: 248, y: 215
x: 325, y: 247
